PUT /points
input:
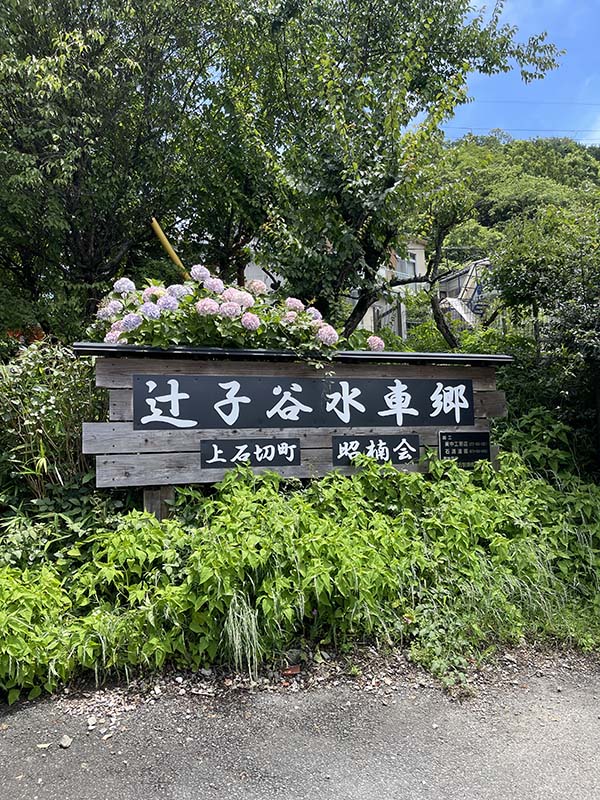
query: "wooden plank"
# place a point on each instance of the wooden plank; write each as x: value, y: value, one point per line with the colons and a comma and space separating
x: 110, y: 437
x: 159, y: 501
x: 184, y: 468
x: 490, y: 404
x: 117, y: 373
x: 120, y: 404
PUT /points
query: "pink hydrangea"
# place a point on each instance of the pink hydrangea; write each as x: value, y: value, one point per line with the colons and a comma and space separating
x: 151, y: 292
x: 294, y: 304
x: 257, y: 287
x: 215, y: 285
x: 375, y: 343
x: 124, y: 286
x: 233, y: 295
x: 207, y: 306
x: 230, y: 309
x: 168, y: 303
x: 314, y: 313
x: 199, y: 273
x: 245, y: 299
x: 327, y: 334
x: 250, y: 321
x: 112, y: 337
x: 117, y: 326
x: 290, y: 316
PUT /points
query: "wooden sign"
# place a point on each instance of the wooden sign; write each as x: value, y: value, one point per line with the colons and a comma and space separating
x: 187, y: 415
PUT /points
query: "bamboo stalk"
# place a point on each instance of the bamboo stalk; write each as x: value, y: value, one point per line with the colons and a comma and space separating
x: 168, y: 248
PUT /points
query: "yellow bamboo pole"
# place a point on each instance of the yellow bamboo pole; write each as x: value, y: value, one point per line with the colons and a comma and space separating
x: 167, y: 245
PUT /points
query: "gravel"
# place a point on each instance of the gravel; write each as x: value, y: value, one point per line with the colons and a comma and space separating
x: 363, y: 726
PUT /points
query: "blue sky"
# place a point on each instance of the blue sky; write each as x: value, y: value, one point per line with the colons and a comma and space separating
x: 566, y: 102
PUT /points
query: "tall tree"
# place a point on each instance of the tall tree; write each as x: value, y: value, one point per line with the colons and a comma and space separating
x: 349, y: 96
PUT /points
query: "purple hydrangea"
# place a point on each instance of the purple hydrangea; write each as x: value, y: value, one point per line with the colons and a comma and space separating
x: 168, y: 303
x: 131, y: 322
x: 110, y: 309
x: 153, y: 291
x: 375, y: 343
x: 112, y: 337
x: 150, y: 310
x: 257, y: 287
x: 215, y: 285
x: 314, y: 313
x: 207, y: 306
x: 117, y: 326
x: 199, y: 273
x: 327, y: 334
x: 178, y: 290
x: 250, y: 321
x: 290, y: 316
x: 124, y: 286
x: 294, y: 304
x: 230, y: 310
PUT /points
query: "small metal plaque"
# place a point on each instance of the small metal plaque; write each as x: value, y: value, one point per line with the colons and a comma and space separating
x: 222, y: 453
x: 466, y: 447
x: 396, y: 449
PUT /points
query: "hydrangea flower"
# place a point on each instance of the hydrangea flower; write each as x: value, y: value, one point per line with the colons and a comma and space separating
x: 257, y: 287
x: 250, y: 321
x: 230, y: 309
x: 327, y: 334
x: 168, y: 303
x: 294, y: 304
x: 131, y: 322
x: 199, y: 273
x: 110, y: 309
x: 314, y: 313
x: 233, y: 295
x: 112, y: 337
x: 375, y: 343
x: 124, y: 286
x: 290, y: 316
x: 207, y: 306
x: 153, y: 291
x: 215, y: 285
x: 150, y: 310
x: 178, y: 290
x: 117, y: 326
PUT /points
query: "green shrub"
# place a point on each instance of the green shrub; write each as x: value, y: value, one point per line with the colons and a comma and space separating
x: 451, y: 564
x: 45, y: 395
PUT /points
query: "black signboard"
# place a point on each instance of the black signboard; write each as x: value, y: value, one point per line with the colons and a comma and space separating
x: 211, y: 402
x: 466, y: 448
x: 397, y: 449
x: 221, y: 453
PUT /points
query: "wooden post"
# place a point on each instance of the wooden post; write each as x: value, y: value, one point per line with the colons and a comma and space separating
x: 159, y: 501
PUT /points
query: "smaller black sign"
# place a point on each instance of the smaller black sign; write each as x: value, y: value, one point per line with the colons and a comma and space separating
x: 221, y: 453
x: 466, y: 448
x: 397, y: 449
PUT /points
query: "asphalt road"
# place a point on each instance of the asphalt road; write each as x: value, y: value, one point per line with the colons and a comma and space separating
x: 536, y: 739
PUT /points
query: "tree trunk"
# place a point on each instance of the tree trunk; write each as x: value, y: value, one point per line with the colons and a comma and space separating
x: 442, y: 323
x: 363, y: 304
